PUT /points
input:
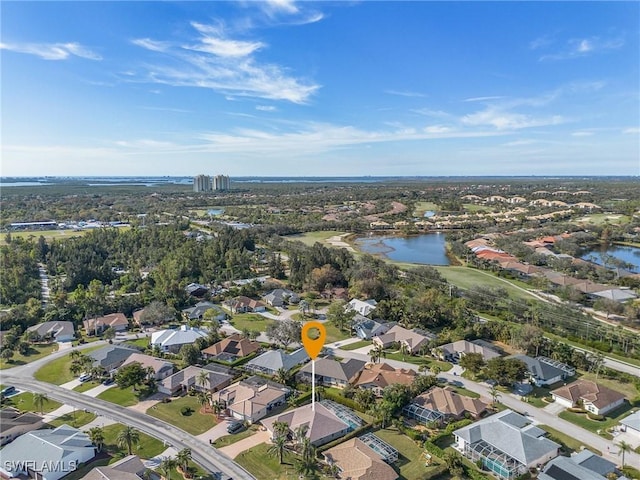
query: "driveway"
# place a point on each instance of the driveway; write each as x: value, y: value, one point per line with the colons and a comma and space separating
x: 554, y: 408
x: 211, y: 435
x: 72, y: 384
x: 145, y: 405
x: 235, y: 449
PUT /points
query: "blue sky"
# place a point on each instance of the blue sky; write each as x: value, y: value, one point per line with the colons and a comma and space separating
x: 320, y: 88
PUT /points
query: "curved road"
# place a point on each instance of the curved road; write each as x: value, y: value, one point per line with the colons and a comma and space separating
x: 203, y: 454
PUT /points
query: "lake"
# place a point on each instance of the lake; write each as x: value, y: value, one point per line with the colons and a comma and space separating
x: 426, y: 249
x: 215, y: 211
x: 630, y: 255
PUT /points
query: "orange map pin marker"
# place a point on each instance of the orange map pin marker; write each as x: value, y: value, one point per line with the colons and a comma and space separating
x: 313, y: 346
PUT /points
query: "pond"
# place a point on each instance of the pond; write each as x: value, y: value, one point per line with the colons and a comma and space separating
x: 630, y: 256
x: 215, y: 211
x: 426, y: 249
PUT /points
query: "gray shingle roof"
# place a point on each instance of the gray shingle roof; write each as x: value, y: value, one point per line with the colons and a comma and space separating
x: 273, y: 360
x: 632, y: 421
x: 540, y: 370
x: 343, y: 371
x: 111, y: 354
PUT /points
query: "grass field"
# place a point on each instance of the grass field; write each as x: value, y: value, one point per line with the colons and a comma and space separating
x: 83, y: 387
x: 250, y: 321
x: 410, y: 464
x: 611, y: 419
x: 195, y: 424
x: 602, y: 218
x: 229, y: 439
x: 264, y: 465
x: 426, y: 361
x: 57, y: 371
x: 422, y: 207
x: 35, y: 352
x: 146, y: 447
x: 47, y: 234
x: 357, y: 345
x: 473, y: 208
x: 24, y: 402
x: 120, y: 396
x: 75, y: 419
x: 309, y: 238
x: 465, y: 278
x: 142, y: 343
x: 569, y: 442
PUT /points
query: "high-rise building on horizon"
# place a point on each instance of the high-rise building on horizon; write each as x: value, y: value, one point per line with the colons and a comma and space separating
x: 221, y: 183
x: 202, y: 183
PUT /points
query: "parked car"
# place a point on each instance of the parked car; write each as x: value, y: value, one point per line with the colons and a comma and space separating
x: 9, y: 390
x: 234, y: 427
x: 108, y: 381
x: 84, y: 377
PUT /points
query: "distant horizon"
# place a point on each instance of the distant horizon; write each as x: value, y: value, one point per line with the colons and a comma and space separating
x: 314, y: 88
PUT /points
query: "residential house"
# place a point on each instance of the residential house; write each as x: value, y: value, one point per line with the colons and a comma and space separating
x: 127, y: 468
x: 323, y: 423
x: 280, y: 297
x: 253, y: 399
x: 544, y: 371
x: 190, y: 377
x: 366, y: 328
x: 332, y: 373
x: 197, y: 312
x: 196, y: 290
x: 631, y: 424
x: 364, y: 308
x: 231, y: 348
x: 95, y: 326
x: 111, y: 357
x: 584, y: 465
x: 14, y: 423
x: 412, y: 339
x: 358, y: 461
x: 161, y: 368
x: 244, y: 304
x: 273, y: 360
x: 448, y: 403
x: 453, y: 352
x: 507, y: 444
x: 616, y: 294
x: 377, y: 376
x: 172, y: 340
x: 55, y: 331
x: 595, y: 398
x: 138, y: 315
x: 33, y: 454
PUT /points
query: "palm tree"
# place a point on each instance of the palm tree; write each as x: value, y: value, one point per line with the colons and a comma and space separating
x: 203, y: 400
x: 404, y: 350
x: 280, y: 432
x: 203, y: 378
x: 623, y: 447
x: 183, y: 457
x: 126, y: 437
x: 96, y: 435
x: 217, y: 407
x: 374, y: 354
x: 283, y: 376
x: 300, y: 434
x: 165, y: 467
x: 495, y: 395
x: 39, y: 400
x: 75, y: 354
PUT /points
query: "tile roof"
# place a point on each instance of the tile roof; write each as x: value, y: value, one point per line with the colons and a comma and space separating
x: 448, y: 402
x: 111, y: 320
x: 235, y: 344
x: 464, y: 346
x: 358, y: 461
x: 146, y: 361
x: 591, y: 392
x: 383, y: 374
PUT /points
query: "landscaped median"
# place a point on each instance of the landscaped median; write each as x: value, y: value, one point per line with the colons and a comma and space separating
x: 195, y: 423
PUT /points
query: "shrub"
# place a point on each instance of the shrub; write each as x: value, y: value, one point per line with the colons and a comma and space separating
x: 593, y: 416
x: 185, y: 411
x: 166, y: 400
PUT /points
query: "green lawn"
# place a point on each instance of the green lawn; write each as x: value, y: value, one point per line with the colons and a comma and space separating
x: 250, y: 321
x: 463, y: 391
x: 611, y: 419
x: 356, y: 345
x: 75, y: 419
x: 83, y: 387
x: 466, y: 278
x: 57, y: 371
x: 411, y: 463
x: 195, y: 424
x: 120, y: 396
x: 417, y: 360
x: 24, y: 401
x: 264, y: 465
x: 569, y: 442
x: 309, y: 238
x: 602, y: 218
x: 142, y: 343
x: 229, y: 439
x: 422, y: 207
x: 147, y: 447
x: 334, y: 334
x: 47, y: 234
x: 35, y: 352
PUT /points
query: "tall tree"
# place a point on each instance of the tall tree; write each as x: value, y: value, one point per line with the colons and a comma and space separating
x: 96, y: 435
x: 127, y: 437
x: 39, y: 399
x: 183, y: 457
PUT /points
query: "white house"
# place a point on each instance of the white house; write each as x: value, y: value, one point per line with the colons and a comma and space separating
x: 631, y: 424
x: 172, y: 340
x: 594, y: 398
x: 46, y: 454
x: 363, y: 308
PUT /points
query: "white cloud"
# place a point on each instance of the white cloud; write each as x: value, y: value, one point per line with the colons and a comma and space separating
x: 581, y: 47
x: 226, y: 65
x: 404, y: 93
x: 581, y: 133
x: 266, y: 108
x: 483, y: 99
x: 519, y: 143
x: 52, y: 51
x: 505, y: 120
x: 633, y: 130
x: 437, y: 129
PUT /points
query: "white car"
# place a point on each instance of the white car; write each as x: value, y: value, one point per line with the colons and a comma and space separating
x: 84, y: 377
